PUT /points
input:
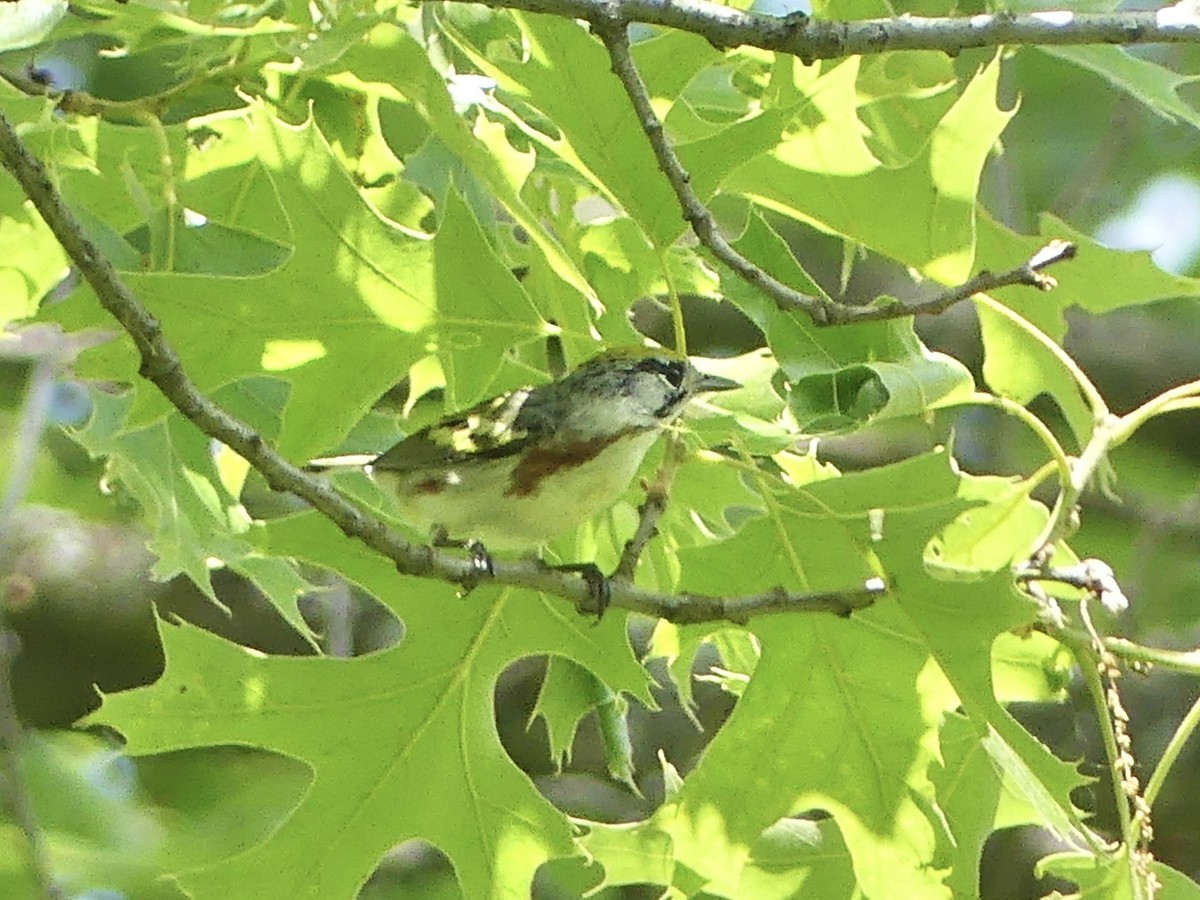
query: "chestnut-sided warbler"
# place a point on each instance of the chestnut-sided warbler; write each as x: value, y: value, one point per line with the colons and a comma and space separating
x: 531, y: 464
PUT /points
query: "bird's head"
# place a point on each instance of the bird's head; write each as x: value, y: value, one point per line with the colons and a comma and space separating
x: 634, y: 390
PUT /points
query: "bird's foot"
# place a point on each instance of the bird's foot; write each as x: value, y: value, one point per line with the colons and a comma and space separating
x: 599, y: 594
x: 481, y: 561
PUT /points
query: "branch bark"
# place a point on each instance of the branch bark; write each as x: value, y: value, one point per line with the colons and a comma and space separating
x: 813, y: 39
x: 161, y: 365
x: 823, y: 311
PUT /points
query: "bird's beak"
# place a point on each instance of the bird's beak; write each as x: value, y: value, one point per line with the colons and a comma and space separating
x: 708, y: 382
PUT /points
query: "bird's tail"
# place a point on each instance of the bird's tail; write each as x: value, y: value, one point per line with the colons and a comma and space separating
x: 333, y: 463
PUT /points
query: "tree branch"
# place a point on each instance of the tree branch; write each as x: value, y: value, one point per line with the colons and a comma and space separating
x: 614, y: 34
x: 813, y: 39
x: 162, y: 366
x: 823, y: 311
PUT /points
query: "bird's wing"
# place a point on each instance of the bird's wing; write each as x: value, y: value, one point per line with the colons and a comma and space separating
x: 496, y: 428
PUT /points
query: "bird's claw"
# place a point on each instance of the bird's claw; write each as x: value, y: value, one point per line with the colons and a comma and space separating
x: 481, y: 561
x: 599, y: 594
x: 599, y: 589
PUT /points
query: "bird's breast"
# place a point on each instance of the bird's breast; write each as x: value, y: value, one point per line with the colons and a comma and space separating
x: 522, y: 501
x: 542, y: 463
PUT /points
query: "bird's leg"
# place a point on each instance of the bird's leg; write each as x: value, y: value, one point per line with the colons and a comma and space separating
x: 481, y: 560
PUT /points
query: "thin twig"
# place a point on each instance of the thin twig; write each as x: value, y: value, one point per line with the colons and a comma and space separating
x: 1166, y: 763
x: 82, y: 103
x: 615, y: 38
x: 813, y: 39
x: 1185, y: 661
x: 1109, y: 433
x: 822, y: 310
x: 1092, y: 575
x: 1132, y: 808
x: 692, y: 609
x: 161, y: 366
x: 1029, y: 274
x: 657, y: 494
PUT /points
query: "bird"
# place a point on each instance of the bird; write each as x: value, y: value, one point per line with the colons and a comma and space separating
x: 529, y: 465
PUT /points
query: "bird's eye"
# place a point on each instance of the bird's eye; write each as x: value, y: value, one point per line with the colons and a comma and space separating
x: 672, y: 371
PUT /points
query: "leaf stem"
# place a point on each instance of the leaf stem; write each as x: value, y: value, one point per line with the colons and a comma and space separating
x: 677, y: 324
x: 1186, y: 661
x: 1059, y: 459
x: 170, y: 197
x: 1086, y: 656
x: 1110, y: 432
x: 1095, y: 399
x: 1171, y: 754
x: 1185, y: 396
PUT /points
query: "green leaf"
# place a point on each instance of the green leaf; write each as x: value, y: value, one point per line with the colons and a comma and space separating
x: 902, y: 97
x: 755, y: 410
x: 568, y: 693
x: 169, y: 470
x: 1030, y: 667
x: 795, y: 857
x: 921, y: 214
x: 968, y: 791
x: 212, y: 248
x: 118, y: 173
x: 1097, y: 876
x: 426, y: 758
x: 620, y: 262
x: 1022, y: 363
x: 878, y: 665
x: 711, y: 160
x: 187, y: 501
x: 484, y: 310
x: 1098, y: 279
x: 393, y: 65
x: 994, y: 536
x: 598, y: 133
x: 1112, y: 877
x: 1175, y: 885
x: 220, y: 801
x: 846, y: 376
x: 1037, y: 794
x: 332, y: 210
x: 1150, y: 84
x: 824, y: 755
x: 631, y: 853
x: 355, y: 288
